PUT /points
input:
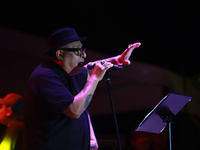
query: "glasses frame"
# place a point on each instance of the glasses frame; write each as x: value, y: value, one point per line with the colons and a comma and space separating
x: 78, y: 51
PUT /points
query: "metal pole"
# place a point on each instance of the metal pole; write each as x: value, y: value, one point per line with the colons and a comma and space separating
x: 170, y: 136
x: 113, y: 109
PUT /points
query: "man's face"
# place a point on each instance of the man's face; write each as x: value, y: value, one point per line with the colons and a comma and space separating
x: 3, y: 110
x: 72, y: 61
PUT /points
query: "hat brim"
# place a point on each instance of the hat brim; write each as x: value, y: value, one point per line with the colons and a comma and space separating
x: 82, y: 39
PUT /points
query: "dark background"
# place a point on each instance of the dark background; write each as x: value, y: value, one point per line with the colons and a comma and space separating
x: 168, y: 30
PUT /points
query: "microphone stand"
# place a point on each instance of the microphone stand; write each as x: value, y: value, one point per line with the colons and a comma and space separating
x: 113, y: 109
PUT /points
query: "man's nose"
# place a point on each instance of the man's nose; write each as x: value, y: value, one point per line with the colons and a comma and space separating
x: 84, y: 55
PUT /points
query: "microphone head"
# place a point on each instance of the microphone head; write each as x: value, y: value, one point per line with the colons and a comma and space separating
x: 90, y: 66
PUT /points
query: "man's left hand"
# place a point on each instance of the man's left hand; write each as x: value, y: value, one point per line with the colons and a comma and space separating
x: 124, y: 57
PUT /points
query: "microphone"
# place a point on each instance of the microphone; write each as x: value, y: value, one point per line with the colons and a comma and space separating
x: 91, y: 66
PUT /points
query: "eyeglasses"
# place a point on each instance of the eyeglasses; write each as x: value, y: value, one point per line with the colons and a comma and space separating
x: 78, y: 51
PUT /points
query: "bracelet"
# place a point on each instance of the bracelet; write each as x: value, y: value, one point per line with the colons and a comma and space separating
x: 117, y: 61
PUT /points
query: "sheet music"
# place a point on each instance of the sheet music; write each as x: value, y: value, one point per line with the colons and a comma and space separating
x: 153, y: 122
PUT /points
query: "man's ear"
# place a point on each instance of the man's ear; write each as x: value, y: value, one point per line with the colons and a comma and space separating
x: 9, y: 111
x: 59, y: 54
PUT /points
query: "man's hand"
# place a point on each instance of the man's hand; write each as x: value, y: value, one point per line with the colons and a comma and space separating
x: 124, y: 57
x: 101, y: 68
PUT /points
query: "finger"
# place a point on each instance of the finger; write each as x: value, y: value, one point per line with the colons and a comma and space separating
x: 134, y: 45
x: 108, y: 65
x: 131, y: 47
x: 127, y: 62
x: 128, y: 52
x: 137, y: 44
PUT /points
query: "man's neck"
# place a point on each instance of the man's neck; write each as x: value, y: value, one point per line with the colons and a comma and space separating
x: 60, y: 63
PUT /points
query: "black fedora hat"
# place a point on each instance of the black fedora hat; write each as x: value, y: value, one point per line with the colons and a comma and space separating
x: 61, y: 37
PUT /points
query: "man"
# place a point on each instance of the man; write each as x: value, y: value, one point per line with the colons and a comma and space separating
x: 59, y: 92
x: 11, y: 116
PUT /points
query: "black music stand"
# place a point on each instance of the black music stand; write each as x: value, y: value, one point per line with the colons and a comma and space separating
x: 163, y: 114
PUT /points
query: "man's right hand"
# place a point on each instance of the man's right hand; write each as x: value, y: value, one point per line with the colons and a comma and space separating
x: 100, y: 69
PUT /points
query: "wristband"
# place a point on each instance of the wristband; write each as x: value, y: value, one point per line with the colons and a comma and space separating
x: 117, y: 61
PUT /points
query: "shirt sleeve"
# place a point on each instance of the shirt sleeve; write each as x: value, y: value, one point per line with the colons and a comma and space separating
x: 53, y: 95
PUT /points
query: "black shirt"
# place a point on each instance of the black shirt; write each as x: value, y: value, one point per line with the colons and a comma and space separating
x: 50, y: 91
